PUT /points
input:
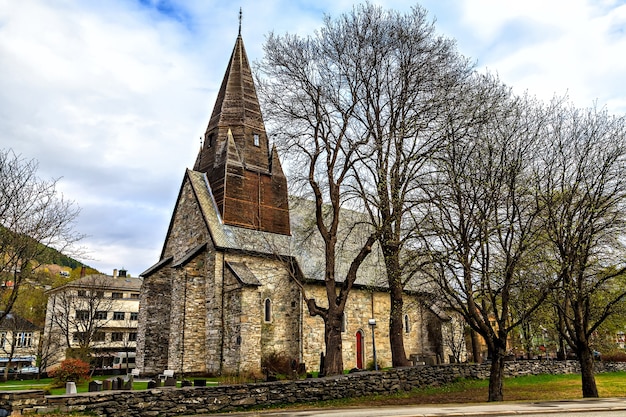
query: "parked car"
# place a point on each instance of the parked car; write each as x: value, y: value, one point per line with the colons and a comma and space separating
x: 29, y: 370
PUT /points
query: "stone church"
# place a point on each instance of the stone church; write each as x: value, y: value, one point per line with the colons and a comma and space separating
x: 227, y: 290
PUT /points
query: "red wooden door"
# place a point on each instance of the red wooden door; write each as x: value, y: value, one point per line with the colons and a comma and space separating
x: 359, y: 349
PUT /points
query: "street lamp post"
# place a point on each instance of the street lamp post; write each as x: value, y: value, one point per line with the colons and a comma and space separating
x: 372, y: 323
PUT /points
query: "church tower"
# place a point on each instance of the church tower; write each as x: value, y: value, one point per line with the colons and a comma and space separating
x: 246, y: 178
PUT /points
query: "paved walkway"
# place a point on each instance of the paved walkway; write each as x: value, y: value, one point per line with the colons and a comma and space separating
x: 456, y: 410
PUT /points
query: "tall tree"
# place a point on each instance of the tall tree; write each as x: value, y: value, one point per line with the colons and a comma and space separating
x: 310, y: 101
x: 404, y: 74
x: 484, y: 219
x: 33, y: 216
x: 583, y: 190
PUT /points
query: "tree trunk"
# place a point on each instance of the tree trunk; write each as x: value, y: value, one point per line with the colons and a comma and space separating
x: 333, y: 362
x: 396, y: 300
x: 475, y: 347
x: 590, y: 390
x: 496, y: 377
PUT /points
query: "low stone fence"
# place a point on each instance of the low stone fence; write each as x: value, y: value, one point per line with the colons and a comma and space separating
x: 199, y: 400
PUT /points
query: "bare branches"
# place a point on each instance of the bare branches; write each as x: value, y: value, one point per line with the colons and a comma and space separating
x: 33, y: 215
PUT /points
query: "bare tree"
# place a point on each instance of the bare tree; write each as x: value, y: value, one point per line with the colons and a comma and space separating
x: 310, y: 102
x: 583, y: 190
x: 484, y: 219
x: 453, y: 335
x: 404, y: 74
x: 33, y: 215
x: 81, y: 312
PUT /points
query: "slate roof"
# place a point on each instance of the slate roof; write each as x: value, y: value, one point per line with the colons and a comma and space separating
x: 243, y: 273
x: 103, y: 281
x: 14, y: 322
x: 304, y: 245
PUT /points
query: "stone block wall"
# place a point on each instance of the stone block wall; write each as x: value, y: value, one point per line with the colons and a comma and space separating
x: 363, y: 305
x: 196, y: 400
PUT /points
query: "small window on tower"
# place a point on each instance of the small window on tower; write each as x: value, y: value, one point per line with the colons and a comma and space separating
x: 256, y: 140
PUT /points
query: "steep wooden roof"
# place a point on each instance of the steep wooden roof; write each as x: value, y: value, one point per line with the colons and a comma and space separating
x: 236, y: 109
x: 247, y: 181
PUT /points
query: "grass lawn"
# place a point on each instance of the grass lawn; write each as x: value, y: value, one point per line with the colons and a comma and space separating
x: 525, y: 388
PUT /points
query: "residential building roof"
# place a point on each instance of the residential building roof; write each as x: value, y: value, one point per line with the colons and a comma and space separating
x: 104, y: 282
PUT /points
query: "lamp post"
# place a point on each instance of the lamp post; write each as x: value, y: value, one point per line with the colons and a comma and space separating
x: 372, y: 323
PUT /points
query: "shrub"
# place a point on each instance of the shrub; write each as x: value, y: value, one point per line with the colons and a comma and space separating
x: 278, y: 363
x: 370, y: 365
x: 70, y: 370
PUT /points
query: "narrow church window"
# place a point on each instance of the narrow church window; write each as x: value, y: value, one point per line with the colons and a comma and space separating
x: 407, y: 328
x: 267, y: 310
x: 343, y: 323
x: 256, y: 140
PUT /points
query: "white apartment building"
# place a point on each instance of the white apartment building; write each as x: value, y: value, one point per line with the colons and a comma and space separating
x: 19, y: 339
x: 93, y: 318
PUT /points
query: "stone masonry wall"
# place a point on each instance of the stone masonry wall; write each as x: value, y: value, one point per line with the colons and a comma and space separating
x: 364, y: 305
x: 173, y: 402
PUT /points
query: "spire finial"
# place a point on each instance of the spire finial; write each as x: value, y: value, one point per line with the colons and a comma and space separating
x: 240, y: 17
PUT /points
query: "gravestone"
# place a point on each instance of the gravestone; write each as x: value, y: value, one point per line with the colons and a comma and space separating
x: 95, y: 386
x: 170, y: 382
x: 106, y: 385
x: 70, y: 387
x: 153, y: 384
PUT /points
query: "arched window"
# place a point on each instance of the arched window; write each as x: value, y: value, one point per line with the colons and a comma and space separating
x: 407, y: 327
x: 267, y: 310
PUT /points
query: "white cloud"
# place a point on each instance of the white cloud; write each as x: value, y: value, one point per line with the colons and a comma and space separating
x: 113, y: 96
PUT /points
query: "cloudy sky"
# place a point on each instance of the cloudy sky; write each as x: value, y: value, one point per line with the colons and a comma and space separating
x: 112, y: 96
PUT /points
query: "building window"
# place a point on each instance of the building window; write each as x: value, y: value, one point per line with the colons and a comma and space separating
x: 132, y: 336
x: 99, y: 294
x: 82, y: 293
x: 343, y: 323
x: 3, y: 339
x: 255, y: 138
x: 117, y: 336
x: 101, y: 315
x: 134, y: 296
x: 98, y: 337
x: 267, y: 310
x: 78, y: 336
x: 82, y: 314
x: 118, y: 315
x: 117, y: 295
x: 407, y: 327
x: 134, y: 316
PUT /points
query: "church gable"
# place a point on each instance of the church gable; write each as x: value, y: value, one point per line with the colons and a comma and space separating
x: 188, y: 228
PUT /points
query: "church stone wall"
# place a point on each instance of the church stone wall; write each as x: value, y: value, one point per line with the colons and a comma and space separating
x: 153, y: 330
x: 362, y: 305
x: 281, y: 335
x: 173, y: 313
